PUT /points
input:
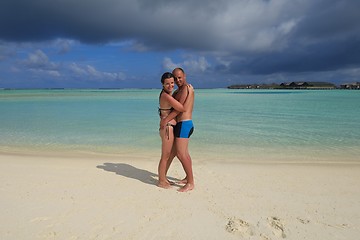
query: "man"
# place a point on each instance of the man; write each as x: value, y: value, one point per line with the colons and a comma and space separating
x: 184, y: 127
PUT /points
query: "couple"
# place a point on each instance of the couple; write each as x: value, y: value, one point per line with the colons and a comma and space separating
x: 176, y: 126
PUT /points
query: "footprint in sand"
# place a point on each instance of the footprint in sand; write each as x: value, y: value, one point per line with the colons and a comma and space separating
x: 303, y: 221
x: 238, y: 226
x: 276, y: 226
x: 264, y: 236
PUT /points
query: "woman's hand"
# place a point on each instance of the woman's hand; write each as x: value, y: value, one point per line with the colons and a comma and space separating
x: 191, y: 87
x: 163, y: 123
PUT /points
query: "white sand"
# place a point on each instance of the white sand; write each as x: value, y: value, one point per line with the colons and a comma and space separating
x: 116, y: 198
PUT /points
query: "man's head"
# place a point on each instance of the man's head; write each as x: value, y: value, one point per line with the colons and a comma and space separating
x: 180, y: 77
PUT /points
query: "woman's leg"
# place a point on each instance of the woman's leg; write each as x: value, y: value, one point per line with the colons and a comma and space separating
x: 167, y: 139
x: 171, y: 157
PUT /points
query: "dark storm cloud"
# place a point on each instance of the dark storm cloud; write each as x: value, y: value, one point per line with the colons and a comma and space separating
x: 259, y: 36
x: 330, y: 19
x: 326, y: 37
x: 95, y: 21
x: 89, y: 21
x: 326, y: 56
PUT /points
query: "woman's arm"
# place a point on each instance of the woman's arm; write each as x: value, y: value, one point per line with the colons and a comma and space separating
x: 173, y: 103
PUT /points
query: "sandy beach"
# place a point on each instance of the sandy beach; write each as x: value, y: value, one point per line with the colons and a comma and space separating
x: 62, y: 197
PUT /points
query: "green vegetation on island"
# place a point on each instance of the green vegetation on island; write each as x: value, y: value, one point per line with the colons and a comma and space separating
x: 296, y: 85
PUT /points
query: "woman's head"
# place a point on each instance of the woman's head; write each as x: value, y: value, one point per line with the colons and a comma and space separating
x: 165, y: 76
x: 168, y: 82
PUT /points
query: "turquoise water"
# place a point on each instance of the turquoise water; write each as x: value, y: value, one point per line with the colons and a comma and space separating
x: 230, y: 125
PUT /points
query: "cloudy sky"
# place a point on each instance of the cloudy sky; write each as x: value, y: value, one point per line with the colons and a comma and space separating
x: 130, y: 43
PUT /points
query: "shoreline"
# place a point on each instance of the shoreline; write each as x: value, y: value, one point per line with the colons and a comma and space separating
x: 117, y: 198
x: 197, y: 156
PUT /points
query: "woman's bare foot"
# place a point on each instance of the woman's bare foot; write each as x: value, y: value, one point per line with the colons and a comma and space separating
x: 171, y: 182
x: 164, y: 184
x: 187, y: 187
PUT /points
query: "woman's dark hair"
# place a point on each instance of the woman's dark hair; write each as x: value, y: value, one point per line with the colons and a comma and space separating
x: 165, y: 76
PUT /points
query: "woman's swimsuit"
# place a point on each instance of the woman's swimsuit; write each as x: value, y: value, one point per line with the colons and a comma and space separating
x: 160, y: 111
x: 164, y: 109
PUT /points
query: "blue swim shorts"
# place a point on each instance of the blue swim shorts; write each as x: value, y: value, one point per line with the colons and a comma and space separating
x: 184, y: 129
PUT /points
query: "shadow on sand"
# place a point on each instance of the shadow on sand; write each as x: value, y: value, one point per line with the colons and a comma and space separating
x: 129, y: 171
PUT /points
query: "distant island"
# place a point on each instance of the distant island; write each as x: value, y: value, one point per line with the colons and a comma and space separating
x: 297, y: 85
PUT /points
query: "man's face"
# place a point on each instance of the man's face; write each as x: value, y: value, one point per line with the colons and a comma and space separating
x: 180, y: 78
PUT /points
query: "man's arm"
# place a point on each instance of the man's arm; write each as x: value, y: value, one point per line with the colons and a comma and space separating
x: 184, y: 95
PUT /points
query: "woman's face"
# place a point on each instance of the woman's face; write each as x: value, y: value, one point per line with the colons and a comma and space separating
x: 168, y: 85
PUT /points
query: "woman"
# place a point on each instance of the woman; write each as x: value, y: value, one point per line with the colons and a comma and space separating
x: 167, y: 104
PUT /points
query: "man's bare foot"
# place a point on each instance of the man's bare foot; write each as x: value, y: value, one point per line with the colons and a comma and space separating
x: 187, y: 187
x: 184, y: 181
x: 165, y: 185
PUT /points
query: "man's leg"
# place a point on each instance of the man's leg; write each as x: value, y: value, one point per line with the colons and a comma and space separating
x: 185, y: 159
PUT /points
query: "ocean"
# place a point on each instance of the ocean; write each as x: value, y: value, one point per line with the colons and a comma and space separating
x: 231, y: 125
